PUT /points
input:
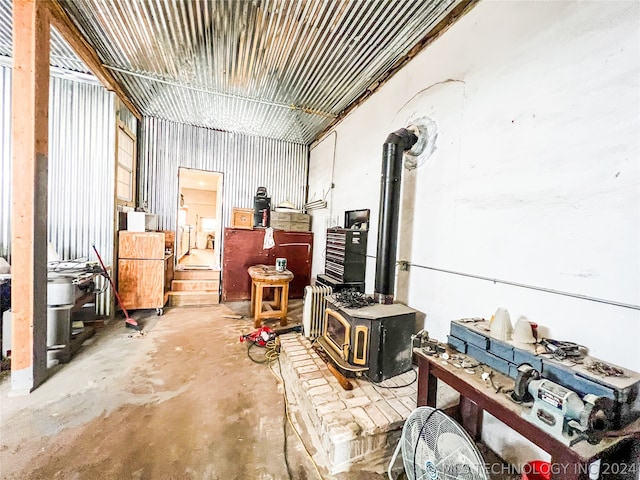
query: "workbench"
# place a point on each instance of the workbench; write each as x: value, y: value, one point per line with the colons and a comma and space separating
x: 477, y: 396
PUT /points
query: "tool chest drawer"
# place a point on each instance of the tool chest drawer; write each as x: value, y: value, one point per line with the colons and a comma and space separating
x: 464, y: 333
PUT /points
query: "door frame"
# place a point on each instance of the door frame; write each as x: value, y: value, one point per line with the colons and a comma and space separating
x: 219, y: 200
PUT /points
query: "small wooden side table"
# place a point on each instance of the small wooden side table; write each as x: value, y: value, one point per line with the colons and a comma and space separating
x: 266, y: 276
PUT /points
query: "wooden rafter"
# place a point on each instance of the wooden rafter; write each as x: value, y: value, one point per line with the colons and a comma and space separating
x: 61, y: 21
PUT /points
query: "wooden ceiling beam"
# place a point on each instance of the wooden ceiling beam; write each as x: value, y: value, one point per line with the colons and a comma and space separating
x: 62, y: 22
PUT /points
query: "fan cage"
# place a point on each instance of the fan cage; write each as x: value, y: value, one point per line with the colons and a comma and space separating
x: 436, y: 447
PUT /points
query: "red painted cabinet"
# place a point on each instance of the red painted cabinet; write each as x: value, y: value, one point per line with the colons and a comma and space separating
x: 243, y: 248
x: 297, y: 248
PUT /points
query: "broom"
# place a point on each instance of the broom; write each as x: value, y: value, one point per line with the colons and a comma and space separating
x: 129, y: 322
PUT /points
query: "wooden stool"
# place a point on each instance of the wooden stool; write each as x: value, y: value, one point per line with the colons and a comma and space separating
x: 266, y: 276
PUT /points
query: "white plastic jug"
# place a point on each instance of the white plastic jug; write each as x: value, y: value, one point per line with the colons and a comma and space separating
x: 501, y: 325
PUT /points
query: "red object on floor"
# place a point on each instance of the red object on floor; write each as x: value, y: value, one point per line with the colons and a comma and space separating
x: 260, y: 337
x: 536, y: 470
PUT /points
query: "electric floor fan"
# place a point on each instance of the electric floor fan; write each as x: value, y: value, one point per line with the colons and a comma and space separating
x: 436, y: 447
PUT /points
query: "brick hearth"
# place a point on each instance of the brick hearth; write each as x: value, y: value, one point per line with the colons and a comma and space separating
x: 351, y: 427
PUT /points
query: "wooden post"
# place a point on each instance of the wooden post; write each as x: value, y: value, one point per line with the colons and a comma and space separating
x: 30, y: 113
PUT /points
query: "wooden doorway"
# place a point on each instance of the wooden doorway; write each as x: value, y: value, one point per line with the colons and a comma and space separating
x: 199, y: 219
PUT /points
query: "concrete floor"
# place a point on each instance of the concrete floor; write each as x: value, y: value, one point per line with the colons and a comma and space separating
x: 181, y: 402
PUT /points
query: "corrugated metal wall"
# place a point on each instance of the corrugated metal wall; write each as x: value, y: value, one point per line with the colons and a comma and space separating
x: 81, y: 169
x: 247, y: 163
x: 5, y: 161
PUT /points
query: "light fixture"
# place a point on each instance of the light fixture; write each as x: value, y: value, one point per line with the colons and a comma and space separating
x: 315, y: 205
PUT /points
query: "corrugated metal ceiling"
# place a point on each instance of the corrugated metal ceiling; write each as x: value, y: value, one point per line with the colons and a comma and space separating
x: 61, y: 55
x: 281, y: 69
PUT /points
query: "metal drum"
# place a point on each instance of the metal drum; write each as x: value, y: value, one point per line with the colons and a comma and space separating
x: 60, y: 291
x: 58, y: 327
x: 61, y: 296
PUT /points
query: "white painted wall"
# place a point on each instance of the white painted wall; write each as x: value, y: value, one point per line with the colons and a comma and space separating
x: 199, y: 203
x: 536, y: 178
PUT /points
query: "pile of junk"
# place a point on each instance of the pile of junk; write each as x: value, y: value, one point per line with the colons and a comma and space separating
x: 72, y: 287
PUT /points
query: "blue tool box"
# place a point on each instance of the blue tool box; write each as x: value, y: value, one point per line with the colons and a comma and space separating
x: 501, y: 349
x: 521, y: 356
x: 455, y: 342
x: 471, y: 337
x: 488, y: 359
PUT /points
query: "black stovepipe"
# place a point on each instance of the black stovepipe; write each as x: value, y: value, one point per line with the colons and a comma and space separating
x: 392, y: 150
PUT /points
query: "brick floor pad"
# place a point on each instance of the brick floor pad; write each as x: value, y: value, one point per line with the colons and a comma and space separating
x: 351, y: 427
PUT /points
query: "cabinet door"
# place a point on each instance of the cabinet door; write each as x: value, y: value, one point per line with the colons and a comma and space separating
x: 242, y: 249
x: 297, y: 248
x: 140, y: 283
x: 141, y: 245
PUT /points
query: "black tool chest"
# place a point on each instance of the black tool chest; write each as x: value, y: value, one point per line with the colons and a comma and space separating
x: 346, y: 254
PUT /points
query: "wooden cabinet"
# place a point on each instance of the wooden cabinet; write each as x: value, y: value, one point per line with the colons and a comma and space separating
x: 144, y: 271
x: 297, y: 248
x: 243, y: 248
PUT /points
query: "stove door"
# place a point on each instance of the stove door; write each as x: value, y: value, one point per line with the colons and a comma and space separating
x: 394, y: 352
x: 337, y: 332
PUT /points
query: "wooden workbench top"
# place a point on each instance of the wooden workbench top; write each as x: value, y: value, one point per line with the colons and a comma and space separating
x: 268, y: 273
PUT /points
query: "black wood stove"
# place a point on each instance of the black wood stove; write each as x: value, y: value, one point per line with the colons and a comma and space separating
x: 376, y: 340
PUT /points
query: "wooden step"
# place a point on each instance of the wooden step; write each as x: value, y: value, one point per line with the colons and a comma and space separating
x: 184, y: 299
x: 195, y: 285
x: 196, y: 275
